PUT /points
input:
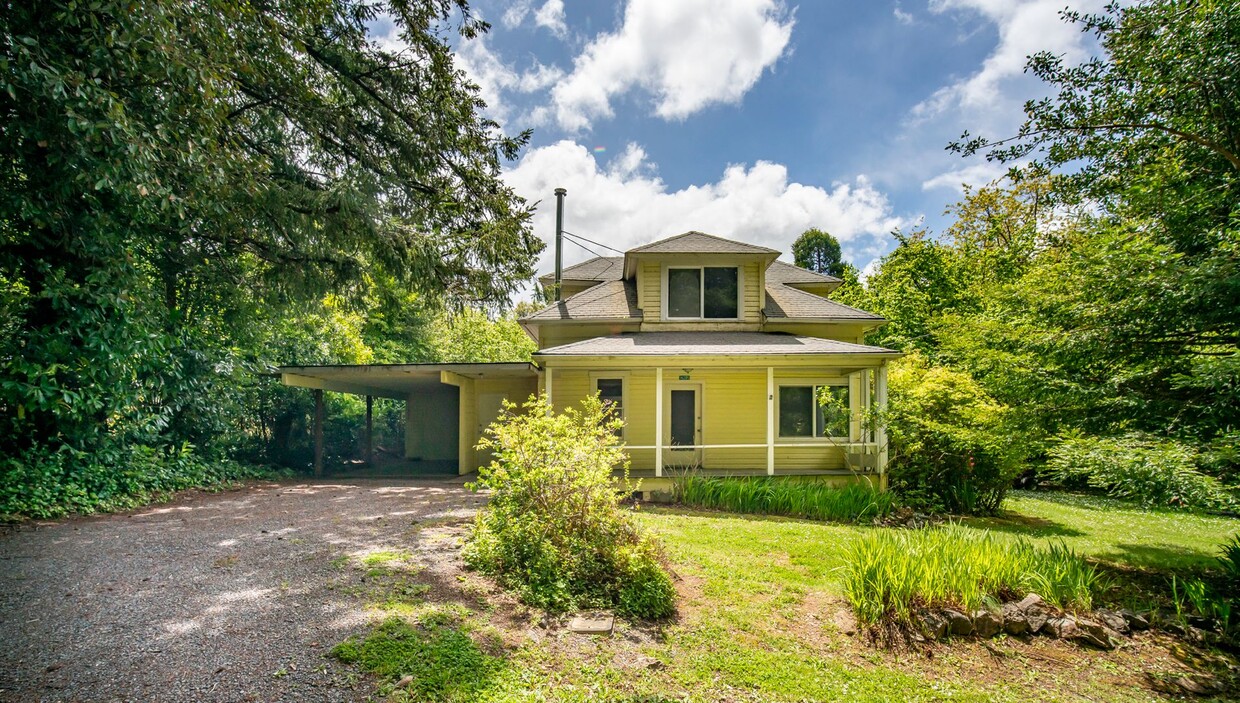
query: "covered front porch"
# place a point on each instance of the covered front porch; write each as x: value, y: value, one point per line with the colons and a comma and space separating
x: 447, y: 406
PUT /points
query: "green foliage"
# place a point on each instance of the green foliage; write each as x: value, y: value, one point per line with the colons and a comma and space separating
x: 1229, y: 560
x: 554, y: 530
x: 1140, y: 468
x: 471, y: 336
x: 888, y: 573
x: 1192, y: 596
x: 445, y: 663
x: 56, y: 483
x: 274, y: 173
x: 819, y: 251
x: 781, y: 496
x: 951, y: 445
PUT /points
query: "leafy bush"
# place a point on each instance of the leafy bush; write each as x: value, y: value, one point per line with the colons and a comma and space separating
x: 1137, y: 467
x: 554, y: 530
x: 50, y: 484
x: 952, y: 448
x: 781, y: 496
x: 444, y: 662
x: 1229, y: 559
x: 889, y: 572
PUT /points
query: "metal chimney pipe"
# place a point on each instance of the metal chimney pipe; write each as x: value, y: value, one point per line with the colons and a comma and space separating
x: 559, y: 241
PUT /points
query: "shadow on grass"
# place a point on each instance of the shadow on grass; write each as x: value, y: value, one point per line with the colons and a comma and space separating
x: 681, y: 510
x: 1027, y: 525
x: 1181, y: 560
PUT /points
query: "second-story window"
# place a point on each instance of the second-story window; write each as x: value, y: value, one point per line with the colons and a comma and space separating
x: 709, y: 292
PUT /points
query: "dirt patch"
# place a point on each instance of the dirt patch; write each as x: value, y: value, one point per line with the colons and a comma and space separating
x: 235, y: 596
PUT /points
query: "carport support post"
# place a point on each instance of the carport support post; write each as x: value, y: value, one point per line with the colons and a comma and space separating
x: 370, y: 427
x: 318, y: 432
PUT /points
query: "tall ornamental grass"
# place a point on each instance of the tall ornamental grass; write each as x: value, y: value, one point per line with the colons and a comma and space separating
x: 889, y: 572
x: 780, y: 496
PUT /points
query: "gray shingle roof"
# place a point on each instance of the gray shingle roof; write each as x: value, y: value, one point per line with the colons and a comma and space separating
x: 786, y: 302
x: 708, y: 344
x: 700, y: 243
x: 610, y: 300
x: 600, y: 268
x: 780, y: 272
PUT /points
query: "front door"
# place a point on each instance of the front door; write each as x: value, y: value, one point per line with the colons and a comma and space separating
x: 684, y: 427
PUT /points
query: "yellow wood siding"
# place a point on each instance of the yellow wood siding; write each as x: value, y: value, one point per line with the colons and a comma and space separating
x: 556, y: 334
x: 650, y: 287
x: 734, y: 411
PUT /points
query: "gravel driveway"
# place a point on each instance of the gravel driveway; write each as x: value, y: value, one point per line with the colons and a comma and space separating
x: 215, y: 597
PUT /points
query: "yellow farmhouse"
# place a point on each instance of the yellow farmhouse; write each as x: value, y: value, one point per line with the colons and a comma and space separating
x: 711, y: 350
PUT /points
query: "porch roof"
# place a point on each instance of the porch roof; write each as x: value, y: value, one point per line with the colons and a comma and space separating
x: 394, y: 380
x: 710, y: 344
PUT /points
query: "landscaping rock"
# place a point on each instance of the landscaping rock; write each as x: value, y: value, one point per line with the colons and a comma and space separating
x: 933, y: 625
x: 1113, y: 620
x: 986, y: 624
x: 1136, y: 621
x: 1096, y: 634
x: 591, y: 624
x: 1061, y: 628
x: 1014, y: 620
x: 959, y: 624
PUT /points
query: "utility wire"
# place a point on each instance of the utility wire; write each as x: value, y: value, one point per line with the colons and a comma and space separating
x: 573, y: 241
x: 598, y: 244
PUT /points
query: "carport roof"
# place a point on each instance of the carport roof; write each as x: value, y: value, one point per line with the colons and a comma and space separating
x: 394, y: 380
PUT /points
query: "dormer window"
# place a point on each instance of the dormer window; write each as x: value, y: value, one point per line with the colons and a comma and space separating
x: 703, y: 292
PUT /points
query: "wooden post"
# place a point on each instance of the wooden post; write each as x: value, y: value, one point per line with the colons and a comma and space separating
x: 770, y: 421
x: 547, y: 390
x: 370, y: 428
x: 318, y: 432
x: 880, y: 432
x: 658, y: 422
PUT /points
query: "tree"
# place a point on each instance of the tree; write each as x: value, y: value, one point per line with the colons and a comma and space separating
x: 818, y: 251
x: 175, y: 176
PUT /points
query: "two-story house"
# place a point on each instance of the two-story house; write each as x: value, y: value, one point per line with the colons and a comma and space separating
x: 712, y: 351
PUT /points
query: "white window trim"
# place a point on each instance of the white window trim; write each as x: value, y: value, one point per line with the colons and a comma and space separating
x: 623, y: 376
x: 740, y: 293
x: 815, y: 383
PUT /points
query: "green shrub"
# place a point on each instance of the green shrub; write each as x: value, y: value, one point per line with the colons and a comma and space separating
x: 782, y: 496
x: 554, y: 530
x: 443, y: 661
x: 889, y: 572
x: 952, y: 448
x: 1137, y: 467
x: 53, y: 483
x: 1229, y: 560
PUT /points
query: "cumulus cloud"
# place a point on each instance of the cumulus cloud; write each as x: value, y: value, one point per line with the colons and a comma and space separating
x: 974, y: 175
x: 624, y: 203
x: 687, y: 55
x: 494, y: 77
x: 551, y: 16
x: 1025, y: 27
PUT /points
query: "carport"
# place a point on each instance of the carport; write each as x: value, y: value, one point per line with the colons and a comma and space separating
x: 447, y: 406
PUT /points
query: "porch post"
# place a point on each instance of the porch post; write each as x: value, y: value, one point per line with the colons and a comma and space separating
x: 370, y: 428
x: 880, y: 400
x: 658, y: 422
x: 770, y: 421
x: 547, y: 389
x: 318, y: 432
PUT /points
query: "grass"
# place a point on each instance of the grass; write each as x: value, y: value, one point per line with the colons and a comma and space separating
x: 781, y: 496
x: 890, y: 572
x: 760, y: 598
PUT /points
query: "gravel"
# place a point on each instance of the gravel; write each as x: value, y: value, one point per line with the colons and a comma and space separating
x: 214, y: 597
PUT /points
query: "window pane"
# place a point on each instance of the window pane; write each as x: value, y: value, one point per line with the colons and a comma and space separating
x: 796, y: 411
x: 684, y: 293
x: 721, y: 284
x: 684, y: 421
x: 611, y: 392
x: 837, y: 424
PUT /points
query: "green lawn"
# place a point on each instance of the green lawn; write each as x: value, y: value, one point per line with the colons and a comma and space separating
x: 762, y: 619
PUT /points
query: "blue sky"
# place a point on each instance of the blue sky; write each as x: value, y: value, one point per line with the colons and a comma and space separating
x: 756, y: 119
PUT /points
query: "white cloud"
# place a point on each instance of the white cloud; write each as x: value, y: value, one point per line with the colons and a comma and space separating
x: 901, y: 16
x: 551, y: 16
x: 624, y: 203
x: 494, y: 77
x: 975, y: 175
x: 1025, y: 27
x: 687, y: 54
x: 515, y: 14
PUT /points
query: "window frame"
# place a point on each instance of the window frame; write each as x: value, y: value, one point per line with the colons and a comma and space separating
x: 815, y: 384
x: 623, y: 377
x: 701, y: 269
